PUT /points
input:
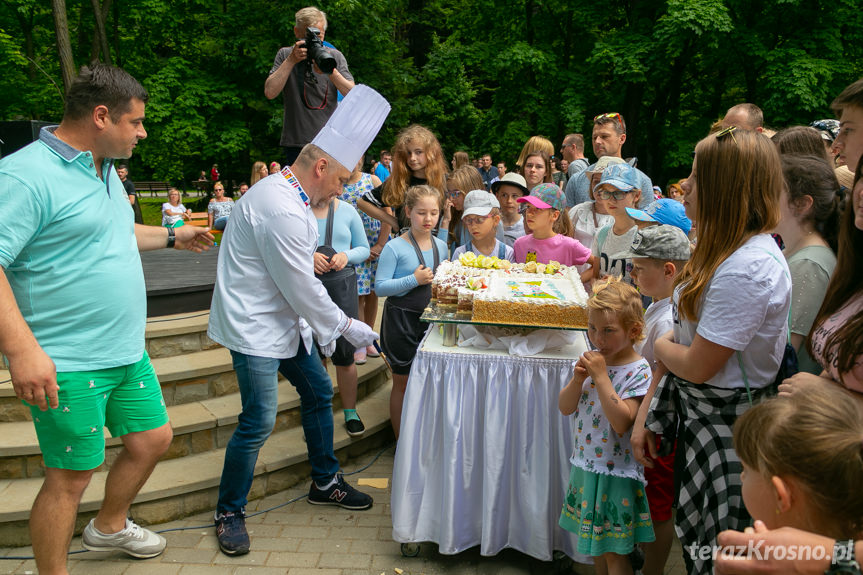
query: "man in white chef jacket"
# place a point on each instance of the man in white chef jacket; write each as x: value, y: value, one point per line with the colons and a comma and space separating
x: 269, y: 309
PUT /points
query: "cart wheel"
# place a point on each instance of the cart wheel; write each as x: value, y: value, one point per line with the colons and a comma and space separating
x: 410, y: 549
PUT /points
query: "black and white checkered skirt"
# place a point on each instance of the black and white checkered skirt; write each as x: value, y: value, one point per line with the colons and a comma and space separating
x: 707, y: 469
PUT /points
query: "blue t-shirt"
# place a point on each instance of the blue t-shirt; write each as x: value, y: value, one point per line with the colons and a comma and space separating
x: 395, y: 275
x: 69, y: 252
x: 349, y: 235
x: 382, y: 172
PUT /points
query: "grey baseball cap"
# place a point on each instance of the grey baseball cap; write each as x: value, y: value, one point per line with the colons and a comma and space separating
x: 479, y: 203
x: 663, y: 242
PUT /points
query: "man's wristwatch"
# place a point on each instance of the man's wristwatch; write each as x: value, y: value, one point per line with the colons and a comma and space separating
x: 843, y: 559
x: 171, y: 237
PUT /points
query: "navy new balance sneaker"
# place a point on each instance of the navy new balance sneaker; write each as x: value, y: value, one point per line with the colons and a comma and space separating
x: 232, y: 534
x: 340, y: 494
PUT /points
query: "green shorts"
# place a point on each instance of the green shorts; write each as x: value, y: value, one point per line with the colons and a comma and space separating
x: 124, y: 399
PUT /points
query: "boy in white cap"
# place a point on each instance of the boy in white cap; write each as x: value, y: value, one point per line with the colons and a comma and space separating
x: 267, y: 305
x: 657, y: 253
x: 508, y: 190
x: 480, y: 217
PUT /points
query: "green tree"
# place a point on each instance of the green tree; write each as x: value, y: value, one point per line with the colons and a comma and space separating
x: 484, y: 75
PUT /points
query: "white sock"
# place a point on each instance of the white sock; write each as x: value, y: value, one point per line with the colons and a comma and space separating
x: 109, y: 534
x: 329, y: 484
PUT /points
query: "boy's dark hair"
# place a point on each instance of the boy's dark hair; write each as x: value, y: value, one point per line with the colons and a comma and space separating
x: 800, y: 141
x: 102, y: 85
x: 850, y: 96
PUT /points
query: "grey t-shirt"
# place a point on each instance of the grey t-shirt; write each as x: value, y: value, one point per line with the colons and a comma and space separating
x: 811, y: 268
x: 576, y: 166
x: 606, y: 245
x: 513, y: 232
x: 307, y: 105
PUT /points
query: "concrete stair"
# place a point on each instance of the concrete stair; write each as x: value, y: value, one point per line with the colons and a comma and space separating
x: 200, y: 389
x: 191, y: 376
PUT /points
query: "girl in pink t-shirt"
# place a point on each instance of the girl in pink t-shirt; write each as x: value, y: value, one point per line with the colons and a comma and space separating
x: 836, y: 339
x: 546, y: 217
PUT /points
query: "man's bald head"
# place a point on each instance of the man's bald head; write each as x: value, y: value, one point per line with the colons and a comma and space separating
x: 745, y: 116
x: 321, y: 176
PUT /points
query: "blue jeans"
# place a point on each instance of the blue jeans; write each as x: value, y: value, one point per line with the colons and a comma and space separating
x: 220, y: 223
x: 258, y: 381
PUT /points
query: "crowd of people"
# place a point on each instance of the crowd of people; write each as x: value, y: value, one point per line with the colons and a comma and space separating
x: 666, y: 384
x: 738, y: 284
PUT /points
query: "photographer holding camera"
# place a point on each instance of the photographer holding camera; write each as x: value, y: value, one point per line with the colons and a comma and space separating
x: 309, y: 76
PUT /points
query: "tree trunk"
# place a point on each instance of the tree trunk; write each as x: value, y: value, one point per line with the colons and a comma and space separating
x: 419, y: 34
x: 27, y: 30
x: 116, y: 33
x: 100, y: 38
x: 64, y: 46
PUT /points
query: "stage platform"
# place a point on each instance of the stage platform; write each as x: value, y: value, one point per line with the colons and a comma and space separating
x: 179, y: 281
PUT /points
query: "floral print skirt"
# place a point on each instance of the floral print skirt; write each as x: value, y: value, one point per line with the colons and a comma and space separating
x: 609, y: 514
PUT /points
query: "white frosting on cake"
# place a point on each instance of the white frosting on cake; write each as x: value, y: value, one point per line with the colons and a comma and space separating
x: 562, y: 290
x: 449, y: 268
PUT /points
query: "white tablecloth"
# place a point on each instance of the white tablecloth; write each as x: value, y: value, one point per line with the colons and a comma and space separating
x: 483, y: 456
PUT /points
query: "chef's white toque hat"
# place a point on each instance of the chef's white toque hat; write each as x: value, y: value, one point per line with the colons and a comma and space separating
x: 353, y: 126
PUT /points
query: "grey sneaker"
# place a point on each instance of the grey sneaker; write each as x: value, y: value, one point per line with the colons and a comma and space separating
x: 133, y: 540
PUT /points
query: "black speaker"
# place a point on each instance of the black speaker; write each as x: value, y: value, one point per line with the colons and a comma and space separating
x: 16, y: 135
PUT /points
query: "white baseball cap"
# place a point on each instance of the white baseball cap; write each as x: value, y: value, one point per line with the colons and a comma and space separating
x: 479, y: 203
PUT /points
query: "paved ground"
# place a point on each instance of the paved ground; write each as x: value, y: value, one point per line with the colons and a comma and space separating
x: 299, y: 539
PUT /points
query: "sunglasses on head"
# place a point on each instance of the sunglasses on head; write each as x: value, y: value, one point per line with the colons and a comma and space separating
x: 610, y: 116
x: 729, y: 131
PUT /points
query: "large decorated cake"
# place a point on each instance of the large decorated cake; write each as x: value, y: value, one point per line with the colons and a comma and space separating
x: 488, y: 290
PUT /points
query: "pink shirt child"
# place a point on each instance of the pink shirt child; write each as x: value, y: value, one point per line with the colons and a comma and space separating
x: 829, y: 358
x: 560, y: 248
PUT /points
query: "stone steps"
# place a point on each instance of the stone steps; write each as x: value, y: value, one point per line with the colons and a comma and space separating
x: 190, y: 366
x: 185, y: 378
x: 178, y: 334
x: 173, y: 492
x: 200, y: 389
x: 198, y: 425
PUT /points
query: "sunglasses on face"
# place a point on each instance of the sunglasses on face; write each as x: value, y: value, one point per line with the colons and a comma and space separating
x: 611, y: 194
x: 475, y: 220
x: 454, y: 193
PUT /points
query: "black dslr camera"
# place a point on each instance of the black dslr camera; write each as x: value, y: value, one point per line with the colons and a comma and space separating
x: 316, y: 53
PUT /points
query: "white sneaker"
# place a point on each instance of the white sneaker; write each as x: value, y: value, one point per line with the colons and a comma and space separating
x: 360, y: 356
x: 133, y: 540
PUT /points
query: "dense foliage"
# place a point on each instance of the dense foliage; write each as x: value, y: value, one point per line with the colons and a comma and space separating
x: 484, y: 75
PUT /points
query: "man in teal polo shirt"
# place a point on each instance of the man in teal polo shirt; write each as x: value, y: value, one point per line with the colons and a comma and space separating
x: 73, y: 312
